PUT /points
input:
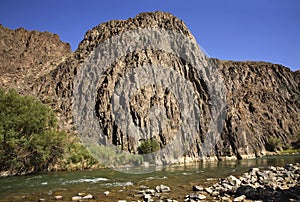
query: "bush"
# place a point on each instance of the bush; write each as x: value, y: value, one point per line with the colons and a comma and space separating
x: 148, y: 146
x: 297, y: 143
x: 274, y: 144
x: 29, y: 139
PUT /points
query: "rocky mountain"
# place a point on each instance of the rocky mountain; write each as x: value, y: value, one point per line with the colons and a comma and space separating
x: 27, y: 55
x: 262, y: 99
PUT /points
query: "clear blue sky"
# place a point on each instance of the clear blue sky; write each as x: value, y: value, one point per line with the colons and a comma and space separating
x: 260, y: 30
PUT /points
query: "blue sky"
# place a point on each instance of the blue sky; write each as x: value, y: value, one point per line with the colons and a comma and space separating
x: 259, y: 30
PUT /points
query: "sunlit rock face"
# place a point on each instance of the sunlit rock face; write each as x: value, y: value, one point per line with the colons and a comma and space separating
x: 238, y: 106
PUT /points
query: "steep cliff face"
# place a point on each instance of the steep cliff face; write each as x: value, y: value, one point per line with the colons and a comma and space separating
x: 262, y: 98
x: 263, y: 102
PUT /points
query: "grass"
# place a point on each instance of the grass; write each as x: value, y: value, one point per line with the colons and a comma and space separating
x: 290, y: 151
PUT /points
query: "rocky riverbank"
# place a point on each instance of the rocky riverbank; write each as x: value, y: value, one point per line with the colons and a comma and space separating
x: 270, y: 184
x: 267, y: 184
x: 259, y: 183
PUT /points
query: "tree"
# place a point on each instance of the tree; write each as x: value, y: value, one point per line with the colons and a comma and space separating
x: 29, y: 138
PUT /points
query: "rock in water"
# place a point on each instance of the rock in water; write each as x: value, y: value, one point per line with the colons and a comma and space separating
x: 162, y: 188
x: 58, y: 197
x: 76, y: 198
x: 89, y: 196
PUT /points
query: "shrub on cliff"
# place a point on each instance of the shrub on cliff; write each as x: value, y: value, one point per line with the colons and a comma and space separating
x: 148, y: 146
x: 29, y: 139
x: 297, y: 143
x: 274, y: 144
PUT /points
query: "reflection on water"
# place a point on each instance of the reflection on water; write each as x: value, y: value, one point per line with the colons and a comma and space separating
x: 178, y: 177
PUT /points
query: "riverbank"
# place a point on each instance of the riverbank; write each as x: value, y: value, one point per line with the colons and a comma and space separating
x: 79, y: 166
x: 184, y: 182
x: 267, y: 184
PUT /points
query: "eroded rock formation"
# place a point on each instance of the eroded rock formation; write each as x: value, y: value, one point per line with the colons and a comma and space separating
x: 262, y: 99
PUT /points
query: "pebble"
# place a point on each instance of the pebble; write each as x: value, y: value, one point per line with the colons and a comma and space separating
x: 198, y: 188
x: 147, y: 197
x: 208, y: 190
x: 162, y: 188
x: 194, y: 196
x: 89, y: 196
x: 240, y: 198
x: 106, y: 193
x: 58, y: 197
x: 76, y: 198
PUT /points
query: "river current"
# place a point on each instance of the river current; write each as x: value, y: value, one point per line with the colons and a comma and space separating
x: 123, y: 186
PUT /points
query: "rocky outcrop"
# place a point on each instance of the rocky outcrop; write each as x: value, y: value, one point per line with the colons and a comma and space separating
x: 263, y: 102
x: 262, y: 99
x: 27, y: 55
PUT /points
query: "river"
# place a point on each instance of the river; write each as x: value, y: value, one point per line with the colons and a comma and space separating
x: 180, y: 178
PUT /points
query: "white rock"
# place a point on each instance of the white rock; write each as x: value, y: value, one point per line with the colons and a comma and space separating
x: 208, y: 190
x: 147, y: 197
x: 106, y: 193
x: 240, y: 198
x: 89, y: 196
x: 58, y: 197
x: 76, y: 198
x: 226, y: 199
x: 163, y: 188
x: 201, y: 196
x: 197, y: 188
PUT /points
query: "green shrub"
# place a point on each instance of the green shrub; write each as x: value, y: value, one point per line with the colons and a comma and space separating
x: 29, y: 139
x: 148, y: 146
x: 76, y: 153
x: 274, y: 144
x: 297, y: 143
x: 114, y: 157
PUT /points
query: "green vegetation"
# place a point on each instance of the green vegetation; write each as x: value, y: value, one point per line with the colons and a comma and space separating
x: 297, y: 143
x: 76, y: 157
x: 148, y: 146
x: 29, y: 137
x: 30, y: 140
x: 114, y: 157
x: 274, y: 144
x: 294, y: 148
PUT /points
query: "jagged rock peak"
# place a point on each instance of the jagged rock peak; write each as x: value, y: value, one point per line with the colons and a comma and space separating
x: 24, y: 53
x: 106, y: 30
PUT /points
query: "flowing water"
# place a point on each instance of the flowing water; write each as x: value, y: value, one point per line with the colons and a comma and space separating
x: 180, y: 178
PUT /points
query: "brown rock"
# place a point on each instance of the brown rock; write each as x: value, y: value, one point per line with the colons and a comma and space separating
x: 263, y: 99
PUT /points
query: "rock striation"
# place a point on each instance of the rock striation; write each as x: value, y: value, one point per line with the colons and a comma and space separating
x: 262, y: 99
x: 263, y: 102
